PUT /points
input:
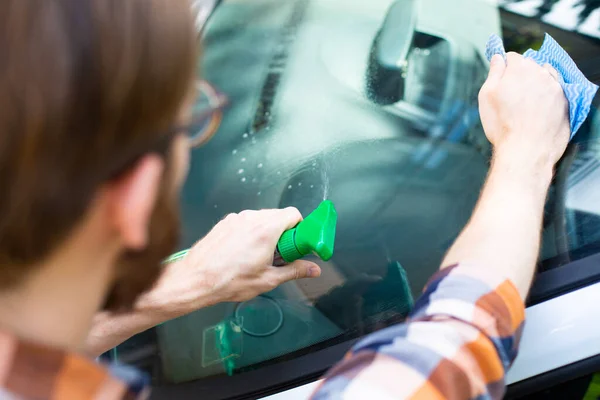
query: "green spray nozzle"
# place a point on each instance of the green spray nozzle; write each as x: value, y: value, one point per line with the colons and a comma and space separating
x: 314, y: 235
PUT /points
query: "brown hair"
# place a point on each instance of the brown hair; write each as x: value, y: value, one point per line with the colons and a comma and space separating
x: 86, y: 86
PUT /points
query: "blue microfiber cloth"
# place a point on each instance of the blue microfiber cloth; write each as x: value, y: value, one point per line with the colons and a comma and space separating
x: 578, y: 90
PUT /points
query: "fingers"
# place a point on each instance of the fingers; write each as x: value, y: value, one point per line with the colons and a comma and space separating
x: 551, y: 71
x: 517, y: 66
x: 264, y: 228
x: 497, y: 67
x: 297, y: 270
x: 283, y: 219
x: 290, y: 217
x: 279, y: 221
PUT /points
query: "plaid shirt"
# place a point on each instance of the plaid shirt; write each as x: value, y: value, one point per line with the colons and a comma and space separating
x: 31, y: 371
x: 458, y: 342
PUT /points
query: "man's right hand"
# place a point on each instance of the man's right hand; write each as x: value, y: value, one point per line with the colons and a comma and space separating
x: 524, y: 110
x: 233, y: 263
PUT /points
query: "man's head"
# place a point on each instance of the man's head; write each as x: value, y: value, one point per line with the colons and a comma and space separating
x: 90, y: 93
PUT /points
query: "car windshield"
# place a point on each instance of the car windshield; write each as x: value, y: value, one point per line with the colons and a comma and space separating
x: 372, y: 105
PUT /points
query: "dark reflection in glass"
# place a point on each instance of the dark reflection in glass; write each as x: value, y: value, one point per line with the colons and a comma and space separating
x: 583, y: 9
x: 323, y: 105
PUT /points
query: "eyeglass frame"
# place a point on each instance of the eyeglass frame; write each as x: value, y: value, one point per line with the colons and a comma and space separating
x: 161, y: 146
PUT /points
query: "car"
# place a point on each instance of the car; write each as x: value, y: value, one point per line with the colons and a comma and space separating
x: 372, y: 105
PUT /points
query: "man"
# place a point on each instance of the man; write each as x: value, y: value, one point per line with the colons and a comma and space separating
x: 94, y: 101
x: 95, y: 98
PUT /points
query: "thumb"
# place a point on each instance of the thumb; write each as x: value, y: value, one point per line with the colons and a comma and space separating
x: 297, y: 270
x: 497, y: 67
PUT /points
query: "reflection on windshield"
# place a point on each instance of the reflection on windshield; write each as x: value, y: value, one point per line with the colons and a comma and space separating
x: 324, y: 106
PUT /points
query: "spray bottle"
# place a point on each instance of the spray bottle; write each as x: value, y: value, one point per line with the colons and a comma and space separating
x: 313, y: 235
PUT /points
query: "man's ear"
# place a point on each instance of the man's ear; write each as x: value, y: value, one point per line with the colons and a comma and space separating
x: 131, y: 201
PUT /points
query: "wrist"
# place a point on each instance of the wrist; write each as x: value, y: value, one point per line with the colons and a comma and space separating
x: 524, y: 163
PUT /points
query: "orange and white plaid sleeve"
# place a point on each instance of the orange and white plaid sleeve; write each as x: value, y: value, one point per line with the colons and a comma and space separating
x: 460, y: 339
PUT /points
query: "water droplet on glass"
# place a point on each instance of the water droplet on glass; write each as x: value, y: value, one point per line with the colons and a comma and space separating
x: 315, y: 164
x: 289, y: 187
x: 312, y: 186
x: 260, y: 165
x: 259, y: 193
x: 215, y: 206
x: 278, y: 172
x: 243, y: 179
x: 245, y: 135
x: 299, y: 183
x: 234, y: 152
x: 243, y: 160
x: 240, y: 171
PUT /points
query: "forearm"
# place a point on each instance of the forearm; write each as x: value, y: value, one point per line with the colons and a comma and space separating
x: 164, y: 302
x: 503, y: 234
x: 110, y: 330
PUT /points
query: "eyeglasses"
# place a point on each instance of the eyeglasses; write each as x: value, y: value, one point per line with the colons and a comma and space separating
x: 207, y: 114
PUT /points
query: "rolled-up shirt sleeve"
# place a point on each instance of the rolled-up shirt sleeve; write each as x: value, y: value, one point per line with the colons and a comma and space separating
x: 460, y: 339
